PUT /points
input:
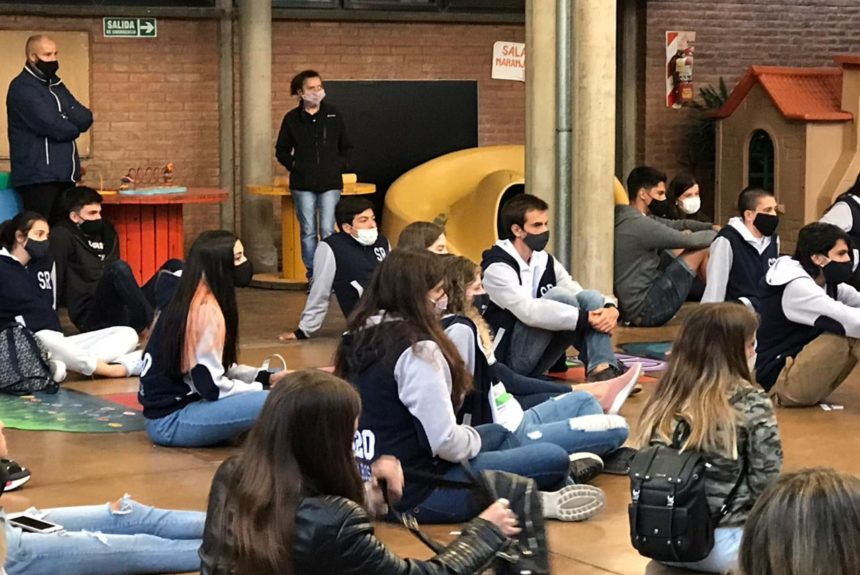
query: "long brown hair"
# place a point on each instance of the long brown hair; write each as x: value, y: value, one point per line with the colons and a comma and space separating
x: 419, y: 235
x: 398, y: 289
x: 806, y: 523
x: 460, y: 272
x: 301, y: 444
x: 708, y: 361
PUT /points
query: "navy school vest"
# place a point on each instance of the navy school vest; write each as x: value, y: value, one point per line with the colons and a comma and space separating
x: 385, y: 426
x: 355, y: 265
x: 748, y: 266
x: 852, y: 203
x: 501, y: 320
x: 476, y: 405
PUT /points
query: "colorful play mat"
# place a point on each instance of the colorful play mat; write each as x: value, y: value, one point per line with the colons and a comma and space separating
x: 68, y: 410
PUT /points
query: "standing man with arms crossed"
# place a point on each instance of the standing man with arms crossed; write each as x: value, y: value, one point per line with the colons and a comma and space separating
x: 44, y: 120
x: 312, y: 145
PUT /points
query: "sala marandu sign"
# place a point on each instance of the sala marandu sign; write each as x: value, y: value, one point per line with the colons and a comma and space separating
x: 130, y: 27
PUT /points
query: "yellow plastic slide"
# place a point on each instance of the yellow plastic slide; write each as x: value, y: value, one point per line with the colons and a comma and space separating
x: 462, y: 190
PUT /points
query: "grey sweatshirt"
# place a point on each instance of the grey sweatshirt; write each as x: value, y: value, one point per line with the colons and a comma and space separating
x: 639, y: 241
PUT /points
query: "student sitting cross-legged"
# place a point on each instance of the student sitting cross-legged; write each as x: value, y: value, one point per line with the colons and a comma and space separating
x: 810, y: 319
x: 537, y: 310
x: 412, y: 382
x: 708, y: 400
x: 343, y: 263
x: 193, y: 391
x: 744, y: 250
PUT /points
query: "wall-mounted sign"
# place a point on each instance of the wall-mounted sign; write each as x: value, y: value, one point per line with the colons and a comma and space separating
x: 130, y: 27
x: 509, y: 61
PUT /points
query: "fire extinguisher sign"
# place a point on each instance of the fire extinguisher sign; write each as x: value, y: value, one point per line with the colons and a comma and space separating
x: 679, y: 68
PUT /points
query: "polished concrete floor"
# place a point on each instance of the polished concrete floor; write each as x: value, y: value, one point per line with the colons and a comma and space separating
x: 75, y: 469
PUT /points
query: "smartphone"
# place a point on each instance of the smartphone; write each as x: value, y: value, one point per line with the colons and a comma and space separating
x: 33, y: 524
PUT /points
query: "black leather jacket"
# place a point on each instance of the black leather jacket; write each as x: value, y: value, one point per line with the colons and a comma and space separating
x: 335, y: 536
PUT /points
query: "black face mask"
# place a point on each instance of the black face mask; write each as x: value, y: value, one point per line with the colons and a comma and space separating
x: 37, y: 248
x: 243, y: 274
x: 92, y: 227
x: 838, y: 272
x: 481, y: 302
x: 49, y: 69
x: 537, y: 242
x: 659, y: 208
x: 766, y: 223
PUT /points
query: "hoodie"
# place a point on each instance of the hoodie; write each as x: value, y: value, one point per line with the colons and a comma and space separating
x: 794, y: 311
x: 639, y: 241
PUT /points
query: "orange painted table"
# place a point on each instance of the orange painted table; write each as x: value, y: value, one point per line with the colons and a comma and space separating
x: 150, y: 228
x: 293, y: 269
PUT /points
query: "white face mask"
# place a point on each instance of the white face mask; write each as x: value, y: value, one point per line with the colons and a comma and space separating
x: 441, y: 304
x: 313, y: 98
x: 691, y: 205
x: 366, y: 237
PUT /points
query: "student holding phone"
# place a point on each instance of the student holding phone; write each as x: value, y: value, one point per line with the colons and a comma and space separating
x: 123, y: 537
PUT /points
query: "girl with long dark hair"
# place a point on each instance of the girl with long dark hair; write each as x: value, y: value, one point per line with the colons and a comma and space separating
x: 193, y: 391
x: 293, y: 500
x: 27, y: 296
x: 412, y: 380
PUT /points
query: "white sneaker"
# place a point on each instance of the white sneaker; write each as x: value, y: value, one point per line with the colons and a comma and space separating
x: 58, y: 370
x: 133, y: 362
x: 573, y: 502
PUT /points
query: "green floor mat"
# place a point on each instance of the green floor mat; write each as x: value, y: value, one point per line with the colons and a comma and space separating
x: 68, y: 410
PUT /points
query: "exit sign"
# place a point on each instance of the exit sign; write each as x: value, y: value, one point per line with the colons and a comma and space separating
x: 130, y: 27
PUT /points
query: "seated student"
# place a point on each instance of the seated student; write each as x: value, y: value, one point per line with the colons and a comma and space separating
x: 412, y: 381
x: 744, y: 250
x: 685, y: 203
x: 26, y: 298
x: 650, y: 282
x: 708, y: 388
x: 279, y: 490
x: 98, y: 287
x: 192, y: 390
x: 845, y: 215
x: 810, y: 319
x: 806, y: 523
x: 537, y: 310
x: 574, y: 420
x: 423, y: 236
x: 119, y: 538
x: 343, y: 262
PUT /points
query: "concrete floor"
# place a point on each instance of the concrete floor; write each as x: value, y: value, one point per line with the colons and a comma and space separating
x: 76, y: 469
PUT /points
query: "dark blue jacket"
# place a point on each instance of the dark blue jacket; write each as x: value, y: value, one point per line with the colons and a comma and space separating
x: 22, y: 299
x: 44, y: 121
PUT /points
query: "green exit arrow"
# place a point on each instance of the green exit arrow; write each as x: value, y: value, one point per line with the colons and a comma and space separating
x: 147, y: 27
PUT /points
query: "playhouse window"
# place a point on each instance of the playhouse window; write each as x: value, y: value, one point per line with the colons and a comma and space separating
x: 761, y: 161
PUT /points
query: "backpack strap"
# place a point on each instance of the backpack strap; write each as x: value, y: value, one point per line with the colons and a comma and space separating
x: 730, y: 498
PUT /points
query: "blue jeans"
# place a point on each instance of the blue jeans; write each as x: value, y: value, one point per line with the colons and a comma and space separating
x: 723, y: 558
x: 553, y: 422
x: 534, y: 350
x: 100, y: 541
x: 307, y: 204
x: 666, y: 295
x: 547, y: 464
x: 205, y: 423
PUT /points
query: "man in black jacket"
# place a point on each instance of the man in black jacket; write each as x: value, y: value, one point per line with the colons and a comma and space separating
x: 44, y: 120
x: 312, y: 145
x: 98, y: 288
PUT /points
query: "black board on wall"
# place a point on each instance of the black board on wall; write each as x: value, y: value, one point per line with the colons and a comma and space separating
x: 397, y: 125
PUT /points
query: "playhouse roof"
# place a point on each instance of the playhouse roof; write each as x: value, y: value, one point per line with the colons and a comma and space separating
x: 810, y: 94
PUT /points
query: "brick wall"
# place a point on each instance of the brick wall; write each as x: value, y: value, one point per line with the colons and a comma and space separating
x: 156, y: 100
x: 731, y: 36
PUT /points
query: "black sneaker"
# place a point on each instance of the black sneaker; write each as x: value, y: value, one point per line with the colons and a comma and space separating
x: 560, y: 365
x: 17, y: 475
x: 618, y: 462
x: 610, y: 372
x: 585, y: 466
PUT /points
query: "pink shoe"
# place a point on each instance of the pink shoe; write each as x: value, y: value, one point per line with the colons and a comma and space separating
x: 619, y: 389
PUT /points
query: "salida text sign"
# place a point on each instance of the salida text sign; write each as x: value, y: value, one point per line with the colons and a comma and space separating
x: 509, y: 61
x: 130, y: 27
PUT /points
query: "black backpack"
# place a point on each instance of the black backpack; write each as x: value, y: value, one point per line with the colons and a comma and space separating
x: 23, y: 362
x: 669, y: 515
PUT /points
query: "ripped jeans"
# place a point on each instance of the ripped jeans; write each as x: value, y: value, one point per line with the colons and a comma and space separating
x: 98, y: 540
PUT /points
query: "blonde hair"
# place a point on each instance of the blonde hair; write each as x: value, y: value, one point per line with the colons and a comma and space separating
x: 806, y: 523
x: 459, y: 273
x: 708, y: 361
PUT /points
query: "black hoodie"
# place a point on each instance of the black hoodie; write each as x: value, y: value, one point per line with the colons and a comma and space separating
x: 80, y: 265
